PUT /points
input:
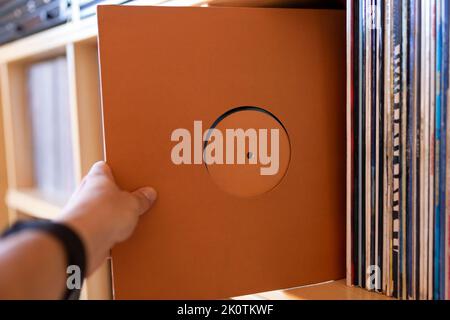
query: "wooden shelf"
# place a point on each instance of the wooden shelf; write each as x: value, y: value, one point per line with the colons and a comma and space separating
x: 49, y: 40
x: 332, y: 290
x: 33, y: 203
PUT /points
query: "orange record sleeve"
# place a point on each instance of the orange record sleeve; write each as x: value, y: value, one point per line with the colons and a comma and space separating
x: 222, y: 230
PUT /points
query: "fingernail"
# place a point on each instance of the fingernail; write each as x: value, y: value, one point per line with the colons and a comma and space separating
x: 149, y: 193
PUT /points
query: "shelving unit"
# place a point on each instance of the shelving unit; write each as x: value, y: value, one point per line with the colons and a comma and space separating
x: 76, y: 40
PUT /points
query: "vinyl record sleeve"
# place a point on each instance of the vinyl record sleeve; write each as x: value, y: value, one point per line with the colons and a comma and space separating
x: 432, y: 99
x: 387, y: 144
x: 164, y: 68
x: 361, y: 172
x: 350, y: 138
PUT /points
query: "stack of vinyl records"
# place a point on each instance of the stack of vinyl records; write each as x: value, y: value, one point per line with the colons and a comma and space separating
x: 399, y: 212
x: 20, y: 18
x: 49, y: 114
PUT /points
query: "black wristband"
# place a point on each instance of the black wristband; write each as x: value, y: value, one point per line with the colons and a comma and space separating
x: 73, y: 246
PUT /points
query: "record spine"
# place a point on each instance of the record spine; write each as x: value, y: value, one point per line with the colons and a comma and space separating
x: 350, y: 148
x: 442, y: 160
x: 387, y: 168
x: 361, y: 145
x: 432, y: 150
x: 396, y: 147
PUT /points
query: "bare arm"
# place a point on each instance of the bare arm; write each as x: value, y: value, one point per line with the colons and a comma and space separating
x: 33, y: 264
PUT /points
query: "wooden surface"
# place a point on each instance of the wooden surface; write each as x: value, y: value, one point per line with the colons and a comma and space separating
x: 85, y: 104
x: 87, y: 133
x: 50, y: 40
x: 33, y: 203
x: 3, y: 175
x: 333, y: 290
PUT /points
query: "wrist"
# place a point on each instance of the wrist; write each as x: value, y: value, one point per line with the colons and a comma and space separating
x: 92, y: 232
x: 69, y: 240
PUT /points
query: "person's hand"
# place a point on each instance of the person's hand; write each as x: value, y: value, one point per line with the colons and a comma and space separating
x: 102, y: 214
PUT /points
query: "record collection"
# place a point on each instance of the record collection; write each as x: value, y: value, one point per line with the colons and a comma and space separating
x: 399, y: 147
x: 50, y: 124
x: 20, y: 18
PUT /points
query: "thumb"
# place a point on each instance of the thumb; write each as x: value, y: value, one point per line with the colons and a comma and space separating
x: 145, y: 198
